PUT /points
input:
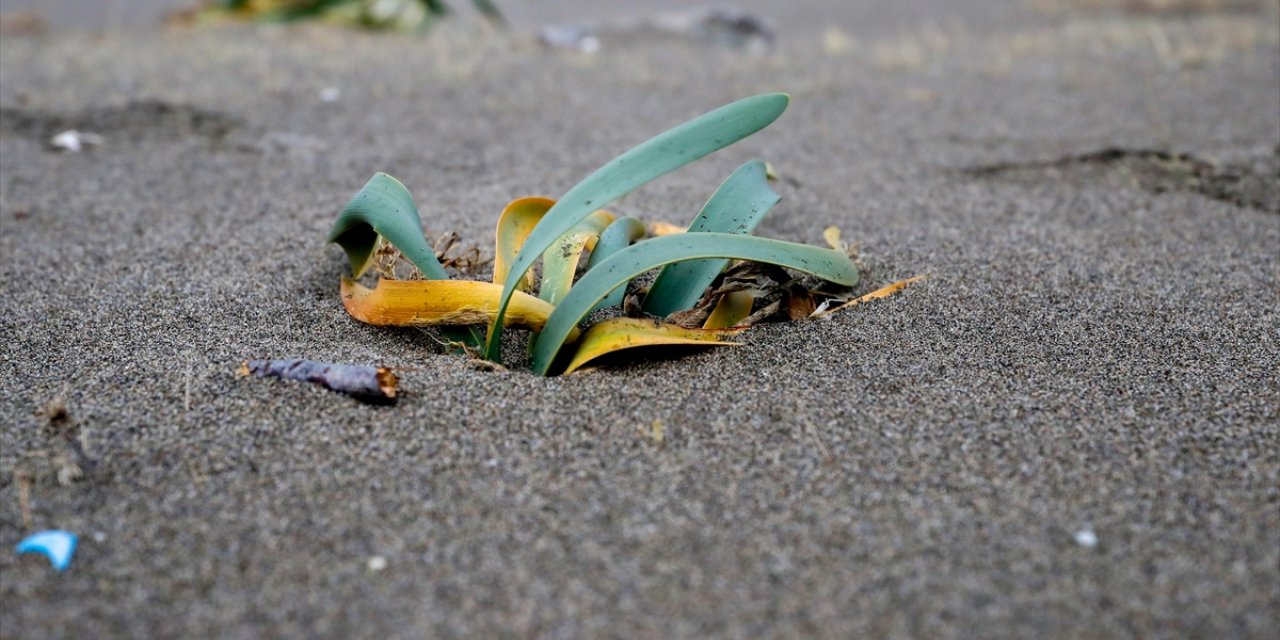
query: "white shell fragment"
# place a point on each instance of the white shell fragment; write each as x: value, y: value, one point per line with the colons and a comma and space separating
x: 73, y: 141
x: 579, y: 38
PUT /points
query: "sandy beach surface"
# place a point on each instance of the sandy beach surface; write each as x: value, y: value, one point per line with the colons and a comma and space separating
x: 1071, y: 429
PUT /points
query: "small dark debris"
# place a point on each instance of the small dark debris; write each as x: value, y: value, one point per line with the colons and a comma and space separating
x: 712, y: 26
x: 63, y: 459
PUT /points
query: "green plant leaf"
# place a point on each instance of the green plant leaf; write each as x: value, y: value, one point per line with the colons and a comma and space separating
x: 623, y: 233
x: 628, y: 263
x: 560, y: 262
x: 384, y: 207
x: 655, y: 157
x: 736, y: 207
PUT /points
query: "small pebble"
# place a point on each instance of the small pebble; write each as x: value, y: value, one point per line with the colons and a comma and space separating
x: 376, y: 564
x: 330, y: 94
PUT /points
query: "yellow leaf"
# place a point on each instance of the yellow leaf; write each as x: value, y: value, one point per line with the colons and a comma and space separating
x: 730, y: 310
x: 661, y: 228
x: 882, y: 292
x: 832, y: 236
x: 518, y: 219
x: 424, y: 303
x: 770, y: 173
x: 616, y: 334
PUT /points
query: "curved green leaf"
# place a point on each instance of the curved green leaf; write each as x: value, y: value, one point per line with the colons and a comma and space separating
x: 655, y: 157
x: 616, y: 270
x: 736, y: 207
x: 384, y: 207
x: 623, y: 233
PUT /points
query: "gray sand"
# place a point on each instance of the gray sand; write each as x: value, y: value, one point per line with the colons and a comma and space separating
x: 1096, y: 349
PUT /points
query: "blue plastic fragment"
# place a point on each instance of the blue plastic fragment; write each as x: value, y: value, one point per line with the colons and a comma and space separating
x: 57, y: 545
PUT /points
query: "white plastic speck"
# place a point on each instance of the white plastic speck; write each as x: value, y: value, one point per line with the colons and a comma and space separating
x: 1086, y: 538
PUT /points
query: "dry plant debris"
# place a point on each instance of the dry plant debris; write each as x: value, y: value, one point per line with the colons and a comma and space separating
x: 367, y: 383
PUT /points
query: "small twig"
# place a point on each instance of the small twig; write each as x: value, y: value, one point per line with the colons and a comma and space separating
x: 24, y: 498
x: 882, y: 292
x: 761, y: 314
x: 444, y: 243
x: 487, y: 365
x: 827, y: 458
x: 474, y: 357
x: 371, y: 384
x: 657, y: 433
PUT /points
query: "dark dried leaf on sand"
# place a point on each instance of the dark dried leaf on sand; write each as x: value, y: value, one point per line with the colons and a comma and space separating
x: 367, y: 383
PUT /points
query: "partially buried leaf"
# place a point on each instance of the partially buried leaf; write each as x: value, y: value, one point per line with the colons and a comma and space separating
x: 616, y: 334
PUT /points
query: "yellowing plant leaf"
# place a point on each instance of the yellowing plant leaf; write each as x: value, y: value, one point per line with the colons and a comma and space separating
x: 424, y: 303
x: 560, y: 262
x: 832, y: 236
x: 732, y: 308
x: 660, y: 228
x: 518, y: 219
x: 616, y: 334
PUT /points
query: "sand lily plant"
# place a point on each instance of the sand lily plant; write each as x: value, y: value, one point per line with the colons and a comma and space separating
x: 700, y: 295
x: 403, y: 15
